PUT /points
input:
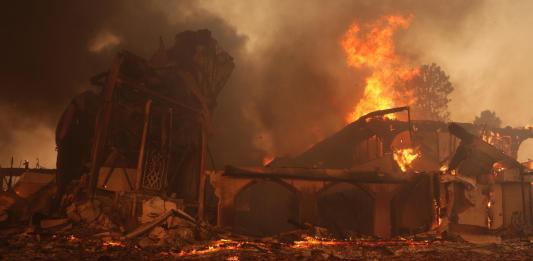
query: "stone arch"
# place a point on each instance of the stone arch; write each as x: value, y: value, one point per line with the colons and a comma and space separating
x: 346, y: 207
x: 263, y: 208
x: 412, y: 207
x: 525, y: 150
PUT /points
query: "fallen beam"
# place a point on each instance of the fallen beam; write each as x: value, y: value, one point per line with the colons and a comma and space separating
x: 156, y: 221
x: 339, y: 175
x: 19, y: 171
x: 143, y: 229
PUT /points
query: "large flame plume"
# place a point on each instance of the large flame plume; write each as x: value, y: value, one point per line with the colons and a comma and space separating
x: 371, y: 46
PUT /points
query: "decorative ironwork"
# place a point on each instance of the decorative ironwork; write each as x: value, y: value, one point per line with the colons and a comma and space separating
x: 155, y: 170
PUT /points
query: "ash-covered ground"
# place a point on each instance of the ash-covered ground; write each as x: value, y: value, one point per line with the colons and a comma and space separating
x: 84, y: 244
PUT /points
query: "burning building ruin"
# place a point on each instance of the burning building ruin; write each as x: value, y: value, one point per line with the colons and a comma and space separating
x: 135, y: 171
x: 359, y: 180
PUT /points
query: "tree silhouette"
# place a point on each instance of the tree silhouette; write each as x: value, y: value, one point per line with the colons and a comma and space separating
x: 489, y: 119
x: 431, y: 87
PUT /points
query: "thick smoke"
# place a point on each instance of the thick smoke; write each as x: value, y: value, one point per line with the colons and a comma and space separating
x: 52, y: 49
x: 291, y: 86
x: 298, y: 86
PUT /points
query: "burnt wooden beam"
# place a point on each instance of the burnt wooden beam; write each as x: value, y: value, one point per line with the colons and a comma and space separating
x: 18, y: 171
x: 103, y: 123
x: 339, y: 175
x: 384, y: 112
x: 153, y: 94
x: 477, y: 144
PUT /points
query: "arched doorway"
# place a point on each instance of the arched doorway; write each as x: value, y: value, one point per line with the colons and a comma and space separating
x: 525, y: 151
x: 346, y: 207
x: 413, y: 206
x: 263, y: 208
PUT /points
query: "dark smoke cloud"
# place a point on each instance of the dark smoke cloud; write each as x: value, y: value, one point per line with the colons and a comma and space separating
x: 291, y: 86
x: 49, y: 54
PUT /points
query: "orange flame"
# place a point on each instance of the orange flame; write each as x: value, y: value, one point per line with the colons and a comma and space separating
x: 267, y: 159
x: 405, y: 157
x: 372, y: 46
x: 491, y: 138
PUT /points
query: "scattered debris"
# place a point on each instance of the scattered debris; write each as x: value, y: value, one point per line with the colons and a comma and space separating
x: 50, y: 223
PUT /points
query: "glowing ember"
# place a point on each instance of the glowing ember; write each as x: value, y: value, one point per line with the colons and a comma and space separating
x: 405, y: 157
x: 372, y: 46
x: 443, y: 168
x: 497, y: 168
x: 267, y: 160
x: 489, y: 214
x: 216, y: 246
x: 311, y: 242
x: 113, y: 243
x: 72, y: 238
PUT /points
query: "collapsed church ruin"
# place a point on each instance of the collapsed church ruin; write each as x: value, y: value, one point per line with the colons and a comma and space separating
x: 140, y: 147
x: 356, y: 181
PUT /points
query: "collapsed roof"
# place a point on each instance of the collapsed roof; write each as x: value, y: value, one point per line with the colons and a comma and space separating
x: 340, y: 149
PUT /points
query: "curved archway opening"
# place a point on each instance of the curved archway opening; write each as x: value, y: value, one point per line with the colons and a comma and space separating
x: 525, y: 151
x: 412, y: 207
x: 263, y: 208
x: 345, y: 207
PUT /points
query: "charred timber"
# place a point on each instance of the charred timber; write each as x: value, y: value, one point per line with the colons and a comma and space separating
x: 339, y: 175
x: 20, y: 171
x: 477, y: 144
x: 381, y: 113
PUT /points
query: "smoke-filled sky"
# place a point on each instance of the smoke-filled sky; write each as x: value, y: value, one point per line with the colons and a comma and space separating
x: 291, y: 85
